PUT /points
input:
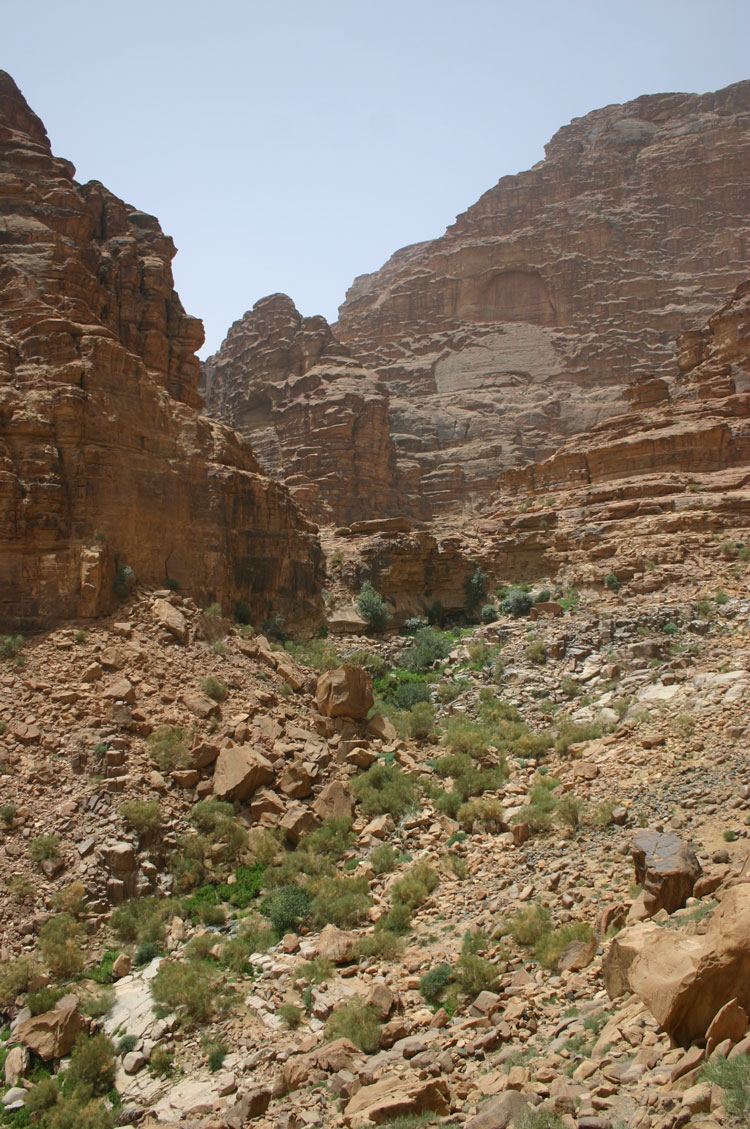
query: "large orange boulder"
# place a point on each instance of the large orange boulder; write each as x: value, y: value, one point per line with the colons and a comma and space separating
x: 52, y: 1034
x: 345, y: 692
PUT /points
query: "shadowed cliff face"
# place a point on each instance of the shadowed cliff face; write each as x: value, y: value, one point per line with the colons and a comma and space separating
x: 104, y: 459
x: 317, y: 419
x: 523, y: 325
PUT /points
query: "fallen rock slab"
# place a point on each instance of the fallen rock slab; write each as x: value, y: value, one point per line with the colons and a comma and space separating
x: 667, y: 869
x: 393, y: 1097
x: 345, y: 692
x: 52, y: 1034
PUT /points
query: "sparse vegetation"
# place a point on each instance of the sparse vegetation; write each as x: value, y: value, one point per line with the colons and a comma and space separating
x: 214, y: 688
x: 373, y: 608
x: 168, y: 748
x: 385, y: 789
x: 144, y: 816
x: 357, y: 1022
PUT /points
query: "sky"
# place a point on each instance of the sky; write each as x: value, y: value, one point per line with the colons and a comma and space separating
x: 293, y: 145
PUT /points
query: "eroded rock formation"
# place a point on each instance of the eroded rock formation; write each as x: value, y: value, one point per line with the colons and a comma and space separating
x: 524, y: 324
x: 104, y: 459
x: 316, y: 417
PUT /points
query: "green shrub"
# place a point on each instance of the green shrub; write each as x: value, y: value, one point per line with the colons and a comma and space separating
x: 536, y: 653
x: 255, y: 937
x: 543, y: 596
x: 383, y: 859
x: 611, y: 582
x: 571, y: 733
x: 540, y: 1118
x: 214, y: 688
x: 529, y: 924
x: 358, y: 1022
x: 8, y: 814
x: 43, y: 1000
x: 216, y: 1051
x: 126, y: 1044
x: 185, y: 988
x: 15, y: 976
x: 99, y: 1005
x: 373, y: 608
x: 286, y: 908
x: 168, y: 749
x: 161, y: 1062
x: 42, y: 1096
x: 142, y: 919
x: 383, y: 789
x: 487, y: 812
x: 489, y: 613
x: 290, y: 1015
x: 92, y: 1064
x: 142, y: 815
x: 429, y: 646
x: 517, y: 602
x: 124, y: 581
x: 549, y: 946
x: 102, y: 972
x: 320, y: 654
x: 419, y: 722
x: 569, y: 811
x: 10, y: 649
x: 412, y: 625
x: 213, y: 609
x: 474, y: 590
x: 433, y: 984
x: 475, y: 974
x: 383, y: 944
x: 60, y: 944
x: 44, y: 848
x: 343, y: 902
x: 416, y: 886
x: 369, y: 661
x: 71, y: 899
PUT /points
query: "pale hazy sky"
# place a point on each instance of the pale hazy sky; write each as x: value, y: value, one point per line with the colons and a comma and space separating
x: 292, y: 146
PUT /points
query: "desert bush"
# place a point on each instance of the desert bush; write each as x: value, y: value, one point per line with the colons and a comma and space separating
x: 571, y: 733
x: 256, y: 936
x: 358, y: 1022
x: 161, y: 1062
x: 487, y: 812
x: 100, y: 1004
x: 144, y: 816
x: 536, y: 653
x: 569, y: 811
x: 71, y: 899
x: 489, y: 613
x: 433, y: 984
x: 429, y: 646
x: 373, y: 608
x: 369, y: 661
x: 570, y: 688
x: 383, y: 859
x: 142, y: 919
x: 186, y: 988
x: 529, y: 924
x: 44, y: 847
x: 549, y: 946
x: 43, y: 1000
x: 416, y: 886
x: 343, y: 902
x: 419, y: 722
x: 290, y: 1015
x: 319, y: 654
x: 124, y: 581
x: 15, y: 976
x: 465, y: 736
x: 286, y: 908
x: 92, y: 1064
x: 475, y: 974
x: 214, y: 688
x: 167, y: 747
x: 8, y: 814
x: 383, y: 789
x: 60, y: 945
x: 21, y: 888
x: 516, y: 602
x: 383, y: 944
x: 474, y: 590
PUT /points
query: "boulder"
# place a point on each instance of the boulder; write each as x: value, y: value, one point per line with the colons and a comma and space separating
x: 336, y: 945
x: 501, y: 1112
x: 298, y: 820
x: 239, y: 771
x: 347, y: 621
x: 685, y: 981
x: 666, y: 868
x: 16, y: 1065
x: 345, y: 692
x: 334, y: 801
x: 171, y: 619
x: 393, y: 1097
x: 730, y: 1022
x: 52, y: 1034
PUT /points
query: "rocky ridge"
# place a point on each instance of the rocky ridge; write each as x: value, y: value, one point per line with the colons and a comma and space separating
x: 105, y: 462
x: 526, y: 323
x: 316, y: 418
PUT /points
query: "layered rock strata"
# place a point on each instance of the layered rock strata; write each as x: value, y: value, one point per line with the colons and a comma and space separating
x: 105, y: 461
x: 524, y: 324
x: 317, y: 419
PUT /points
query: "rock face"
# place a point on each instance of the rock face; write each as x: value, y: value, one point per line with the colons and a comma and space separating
x: 524, y: 324
x: 104, y: 459
x: 316, y: 417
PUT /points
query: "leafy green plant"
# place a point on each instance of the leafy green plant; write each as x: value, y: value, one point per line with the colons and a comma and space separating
x: 61, y: 944
x: 429, y: 646
x: 384, y: 788
x: 433, y: 984
x: 168, y: 748
x: 516, y: 602
x: 187, y: 988
x: 489, y: 613
x: 611, y: 582
x: 383, y: 859
x: 44, y: 848
x: 474, y: 590
x: 286, y: 908
x: 214, y: 688
x: 358, y: 1022
x: 290, y: 1015
x: 536, y: 653
x: 373, y: 608
x: 144, y: 816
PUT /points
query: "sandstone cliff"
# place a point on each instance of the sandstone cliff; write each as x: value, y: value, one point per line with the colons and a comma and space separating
x: 104, y: 459
x: 524, y: 324
x: 316, y: 417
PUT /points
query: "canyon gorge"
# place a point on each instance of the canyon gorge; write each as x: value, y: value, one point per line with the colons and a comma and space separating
x: 374, y: 696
